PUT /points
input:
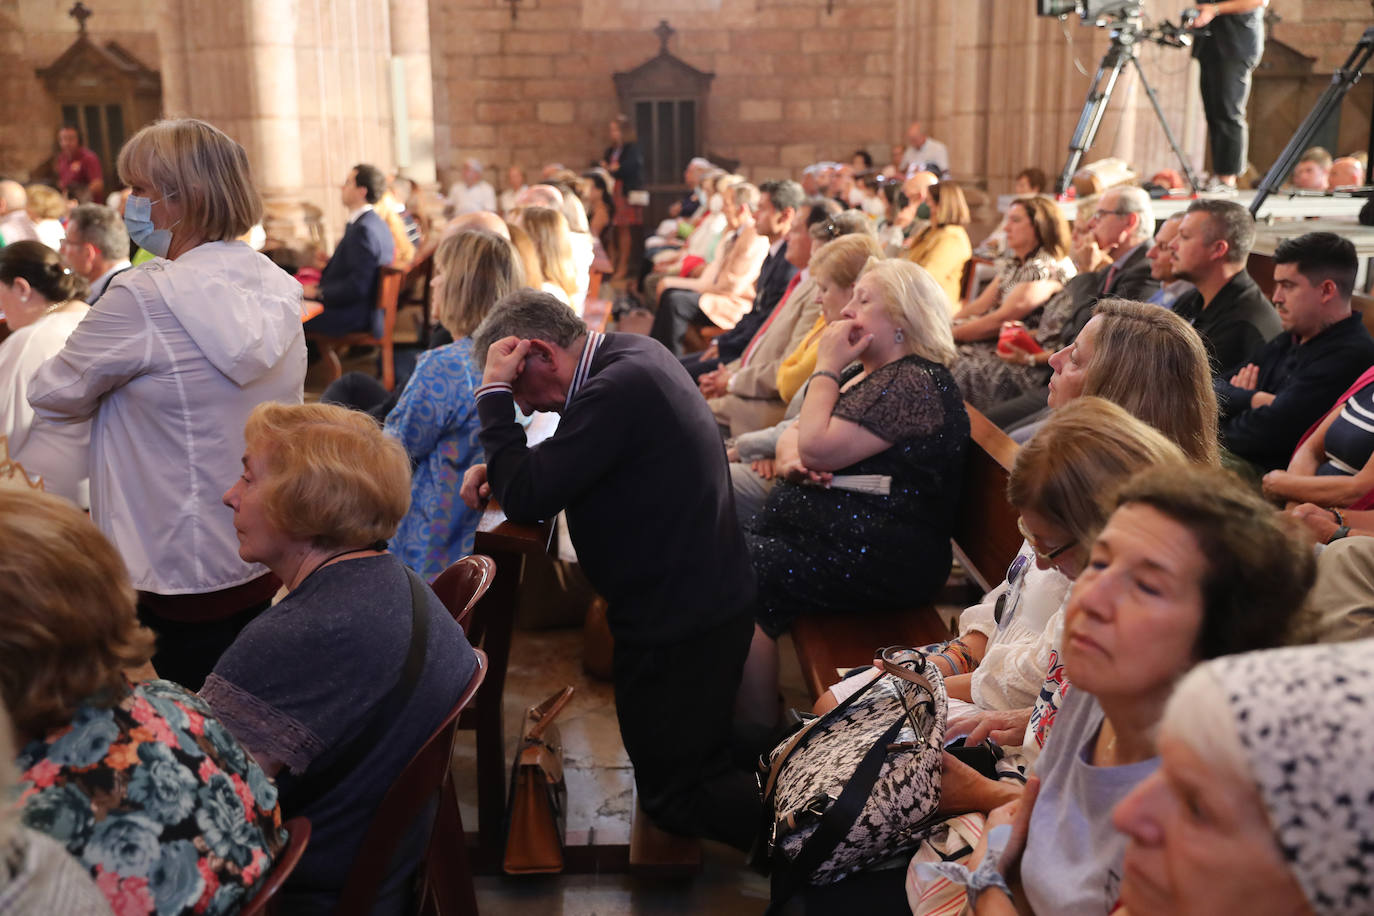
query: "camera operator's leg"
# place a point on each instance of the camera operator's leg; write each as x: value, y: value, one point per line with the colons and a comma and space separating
x: 1225, y: 86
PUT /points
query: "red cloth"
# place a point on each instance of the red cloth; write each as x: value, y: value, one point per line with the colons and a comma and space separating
x: 81, y: 167
x: 758, y: 335
x: 1366, y: 501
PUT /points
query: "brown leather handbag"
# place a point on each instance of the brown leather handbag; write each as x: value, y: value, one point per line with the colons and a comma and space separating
x: 536, y: 815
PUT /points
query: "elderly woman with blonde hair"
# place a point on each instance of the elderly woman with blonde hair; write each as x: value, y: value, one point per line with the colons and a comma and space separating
x: 322, y: 489
x: 870, y: 473
x: 139, y: 782
x: 168, y: 364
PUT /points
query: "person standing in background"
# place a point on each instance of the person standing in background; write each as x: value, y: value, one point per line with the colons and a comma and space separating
x: 1228, y: 43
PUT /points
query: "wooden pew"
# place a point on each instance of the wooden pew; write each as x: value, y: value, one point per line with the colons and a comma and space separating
x: 985, y: 542
x: 511, y: 545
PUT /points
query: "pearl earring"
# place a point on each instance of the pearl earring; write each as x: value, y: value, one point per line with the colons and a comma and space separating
x: 899, y: 336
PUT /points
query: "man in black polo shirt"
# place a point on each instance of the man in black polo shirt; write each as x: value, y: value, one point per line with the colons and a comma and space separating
x: 639, y: 465
x: 1267, y: 403
x: 1226, y: 308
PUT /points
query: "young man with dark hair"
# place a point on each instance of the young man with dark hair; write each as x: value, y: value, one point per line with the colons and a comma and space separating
x: 1270, y: 400
x: 348, y: 284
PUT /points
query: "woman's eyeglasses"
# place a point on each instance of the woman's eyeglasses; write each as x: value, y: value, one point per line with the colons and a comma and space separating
x: 1047, y: 555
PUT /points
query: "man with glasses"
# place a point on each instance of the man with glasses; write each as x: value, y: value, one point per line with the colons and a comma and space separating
x: 96, y: 246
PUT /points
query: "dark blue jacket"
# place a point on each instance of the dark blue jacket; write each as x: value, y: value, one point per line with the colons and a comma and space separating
x: 348, y: 285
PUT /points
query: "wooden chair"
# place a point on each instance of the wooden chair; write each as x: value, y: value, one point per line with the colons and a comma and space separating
x: 463, y: 584
x: 264, y: 902
x: 388, y: 296
x: 445, y: 879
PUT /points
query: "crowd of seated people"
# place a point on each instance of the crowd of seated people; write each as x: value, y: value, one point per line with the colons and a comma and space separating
x: 242, y: 547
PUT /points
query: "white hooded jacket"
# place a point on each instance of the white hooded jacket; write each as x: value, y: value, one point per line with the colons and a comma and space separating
x: 169, y: 363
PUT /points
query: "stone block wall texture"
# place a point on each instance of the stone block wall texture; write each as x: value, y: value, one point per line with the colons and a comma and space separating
x: 1324, y: 29
x: 33, y: 34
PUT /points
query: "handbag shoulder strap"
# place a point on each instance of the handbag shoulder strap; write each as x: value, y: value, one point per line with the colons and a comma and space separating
x: 835, y: 824
x: 546, y: 712
x: 315, y: 783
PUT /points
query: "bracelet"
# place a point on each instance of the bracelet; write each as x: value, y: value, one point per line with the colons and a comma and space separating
x: 1338, y: 533
x: 1336, y: 514
x: 823, y: 374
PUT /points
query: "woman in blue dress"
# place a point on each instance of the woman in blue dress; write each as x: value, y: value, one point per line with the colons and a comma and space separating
x: 436, y: 416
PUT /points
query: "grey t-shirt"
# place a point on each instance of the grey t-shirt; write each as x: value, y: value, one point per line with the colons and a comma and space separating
x: 1072, y: 862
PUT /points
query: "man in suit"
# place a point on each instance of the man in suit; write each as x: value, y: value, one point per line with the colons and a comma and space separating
x: 348, y: 285
x: 726, y: 290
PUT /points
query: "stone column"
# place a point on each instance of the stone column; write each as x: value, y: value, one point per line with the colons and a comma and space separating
x: 410, y: 45
x: 273, y: 128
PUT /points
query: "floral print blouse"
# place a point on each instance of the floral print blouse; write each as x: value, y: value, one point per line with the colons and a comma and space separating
x: 155, y: 797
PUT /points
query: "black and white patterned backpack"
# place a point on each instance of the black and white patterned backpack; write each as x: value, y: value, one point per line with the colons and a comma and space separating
x: 857, y: 785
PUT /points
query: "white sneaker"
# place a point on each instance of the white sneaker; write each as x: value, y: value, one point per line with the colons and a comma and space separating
x: 1218, y: 187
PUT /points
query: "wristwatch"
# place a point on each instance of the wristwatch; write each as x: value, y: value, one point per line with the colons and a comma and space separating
x: 1339, y: 533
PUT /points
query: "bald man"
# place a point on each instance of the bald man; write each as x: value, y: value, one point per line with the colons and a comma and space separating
x: 540, y: 195
x: 15, y: 224
x: 923, y: 152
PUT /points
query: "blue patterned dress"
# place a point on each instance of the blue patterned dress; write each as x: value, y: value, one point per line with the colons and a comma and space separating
x: 436, y: 420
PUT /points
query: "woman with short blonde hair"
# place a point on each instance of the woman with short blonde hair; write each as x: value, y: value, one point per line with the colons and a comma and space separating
x: 169, y: 363
x: 436, y: 415
x: 915, y: 302
x: 330, y: 476
x: 870, y: 474
x: 322, y: 489
x: 120, y: 774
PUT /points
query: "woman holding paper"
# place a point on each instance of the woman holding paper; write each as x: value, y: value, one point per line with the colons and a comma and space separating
x: 870, y: 474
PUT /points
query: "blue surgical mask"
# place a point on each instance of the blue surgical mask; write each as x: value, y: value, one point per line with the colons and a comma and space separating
x: 138, y: 219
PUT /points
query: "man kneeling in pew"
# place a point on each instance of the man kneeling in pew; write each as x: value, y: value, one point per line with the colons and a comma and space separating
x: 637, y: 462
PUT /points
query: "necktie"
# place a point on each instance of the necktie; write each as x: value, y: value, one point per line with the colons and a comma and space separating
x: 758, y: 335
x: 1107, y: 287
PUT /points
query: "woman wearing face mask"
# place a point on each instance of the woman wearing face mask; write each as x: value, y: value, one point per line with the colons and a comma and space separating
x: 169, y: 364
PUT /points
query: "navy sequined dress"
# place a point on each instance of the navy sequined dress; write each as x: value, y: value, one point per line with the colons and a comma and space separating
x: 819, y: 550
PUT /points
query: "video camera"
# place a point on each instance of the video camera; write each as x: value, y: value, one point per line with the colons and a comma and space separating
x: 1119, y: 14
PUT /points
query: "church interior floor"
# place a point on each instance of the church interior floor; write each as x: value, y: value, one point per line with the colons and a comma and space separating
x: 600, y: 797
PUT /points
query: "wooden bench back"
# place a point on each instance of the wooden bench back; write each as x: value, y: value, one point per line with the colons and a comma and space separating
x: 986, y: 538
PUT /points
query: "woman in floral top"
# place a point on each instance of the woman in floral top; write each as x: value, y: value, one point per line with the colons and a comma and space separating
x: 140, y: 783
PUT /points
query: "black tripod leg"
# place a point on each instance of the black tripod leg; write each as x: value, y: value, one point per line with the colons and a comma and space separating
x: 1164, y: 123
x: 1341, y: 81
x: 1094, y: 107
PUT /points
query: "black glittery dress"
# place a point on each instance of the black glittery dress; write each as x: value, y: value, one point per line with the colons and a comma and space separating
x: 819, y: 549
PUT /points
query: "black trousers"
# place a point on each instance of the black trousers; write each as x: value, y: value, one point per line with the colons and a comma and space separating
x: 1225, y: 85
x: 188, y: 651
x: 677, y: 308
x: 1007, y: 414
x: 676, y: 706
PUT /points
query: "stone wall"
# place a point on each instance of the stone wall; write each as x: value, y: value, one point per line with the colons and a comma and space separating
x: 1324, y: 29
x: 33, y: 34
x: 793, y: 83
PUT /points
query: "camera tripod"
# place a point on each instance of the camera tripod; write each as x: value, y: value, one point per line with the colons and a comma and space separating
x: 1124, y: 50
x: 1346, y: 76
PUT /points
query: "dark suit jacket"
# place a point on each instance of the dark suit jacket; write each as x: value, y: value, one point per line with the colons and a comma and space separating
x: 1132, y: 281
x: 774, y: 276
x: 348, y: 285
x: 631, y: 173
